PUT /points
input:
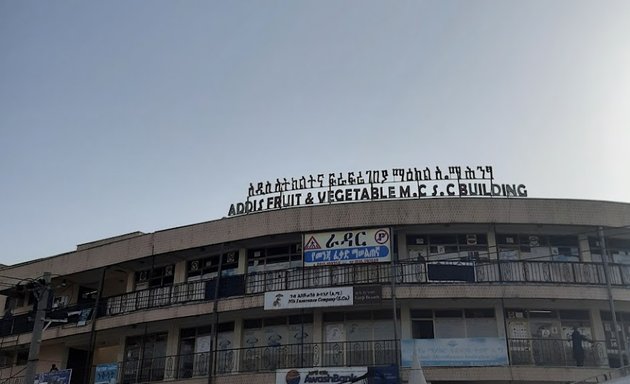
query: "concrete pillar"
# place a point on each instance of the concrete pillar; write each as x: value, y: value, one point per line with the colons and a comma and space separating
x: 131, y: 282
x: 318, y: 326
x: 121, y: 351
x: 499, y: 314
x: 238, y: 333
x: 598, y: 336
x: 318, y: 332
x: 585, y: 248
x: 242, y: 261
x: 493, y: 250
x: 180, y: 272
x: 172, y: 347
x: 405, y: 321
x: 402, y: 246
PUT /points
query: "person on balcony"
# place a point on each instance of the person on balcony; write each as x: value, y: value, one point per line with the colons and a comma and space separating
x: 578, y: 349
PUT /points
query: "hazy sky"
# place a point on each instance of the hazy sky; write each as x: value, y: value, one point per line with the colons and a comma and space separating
x: 120, y: 116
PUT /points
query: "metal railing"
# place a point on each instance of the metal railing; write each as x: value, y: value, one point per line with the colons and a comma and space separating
x: 12, y: 380
x: 258, y: 359
x: 557, y: 353
x: 419, y: 272
x: 406, y: 272
x: 542, y: 352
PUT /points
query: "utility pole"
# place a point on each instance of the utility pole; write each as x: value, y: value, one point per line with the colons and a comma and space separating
x: 611, y: 300
x: 41, y: 294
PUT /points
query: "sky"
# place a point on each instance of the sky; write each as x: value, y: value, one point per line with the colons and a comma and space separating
x: 125, y: 116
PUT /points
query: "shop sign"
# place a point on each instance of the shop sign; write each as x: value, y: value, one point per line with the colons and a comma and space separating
x: 368, y: 294
x: 309, y: 298
x: 333, y: 375
x: 106, y: 374
x: 56, y: 377
x: 468, y: 352
x: 374, y: 185
x: 347, y: 247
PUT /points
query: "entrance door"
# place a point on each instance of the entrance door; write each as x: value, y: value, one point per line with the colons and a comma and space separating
x: 77, y: 359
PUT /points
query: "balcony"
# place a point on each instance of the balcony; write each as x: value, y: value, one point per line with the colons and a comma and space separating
x: 407, y: 273
x: 556, y: 353
x: 259, y: 359
x: 413, y: 272
x: 523, y: 352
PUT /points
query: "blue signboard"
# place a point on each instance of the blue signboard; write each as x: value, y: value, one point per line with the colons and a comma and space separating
x: 56, y: 377
x: 106, y: 374
x: 383, y: 375
x: 347, y: 247
x: 469, y: 352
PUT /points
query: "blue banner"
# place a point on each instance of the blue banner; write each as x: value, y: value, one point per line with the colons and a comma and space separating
x: 347, y: 255
x: 106, y: 374
x: 55, y: 377
x: 470, y: 352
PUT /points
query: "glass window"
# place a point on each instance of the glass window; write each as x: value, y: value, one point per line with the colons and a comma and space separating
x: 275, y: 331
x: 422, y: 329
x: 448, y: 247
x: 453, y: 323
x: 447, y: 328
x: 274, y: 257
x: 156, y: 277
x: 145, y: 358
x: 538, y: 247
x: 360, y: 325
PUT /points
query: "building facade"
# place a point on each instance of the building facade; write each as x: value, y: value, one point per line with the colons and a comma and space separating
x: 474, y: 290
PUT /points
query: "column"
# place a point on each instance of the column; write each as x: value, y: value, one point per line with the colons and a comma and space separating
x: 172, y: 347
x: 599, y: 337
x: 584, y: 248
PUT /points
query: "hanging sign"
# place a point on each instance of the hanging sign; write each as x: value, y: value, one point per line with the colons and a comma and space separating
x: 309, y: 298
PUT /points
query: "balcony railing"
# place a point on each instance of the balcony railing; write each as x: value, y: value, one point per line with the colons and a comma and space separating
x: 411, y: 272
x: 556, y: 353
x: 522, y: 352
x: 406, y: 273
x: 258, y: 359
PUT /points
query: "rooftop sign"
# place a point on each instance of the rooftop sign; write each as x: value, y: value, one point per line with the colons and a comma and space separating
x: 375, y: 185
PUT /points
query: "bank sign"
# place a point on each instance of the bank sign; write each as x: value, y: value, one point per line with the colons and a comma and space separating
x: 333, y: 375
x: 347, y: 247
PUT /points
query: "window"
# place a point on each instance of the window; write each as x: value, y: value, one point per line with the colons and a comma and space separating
x: 6, y: 358
x: 538, y: 247
x: 194, y: 346
x: 21, y: 357
x: 156, y: 277
x: 276, y: 331
x: 275, y: 257
x: 208, y: 267
x: 358, y: 326
x: 453, y: 323
x: 452, y: 247
x: 547, y: 323
x: 618, y: 250
x: 145, y: 358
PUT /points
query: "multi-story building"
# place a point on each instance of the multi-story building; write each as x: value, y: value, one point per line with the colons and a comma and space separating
x: 472, y: 290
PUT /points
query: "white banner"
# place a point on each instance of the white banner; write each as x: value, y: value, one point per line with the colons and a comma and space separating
x: 347, y: 247
x: 335, y: 375
x: 309, y: 298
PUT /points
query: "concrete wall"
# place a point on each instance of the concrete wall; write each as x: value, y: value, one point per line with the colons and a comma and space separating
x: 295, y: 220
